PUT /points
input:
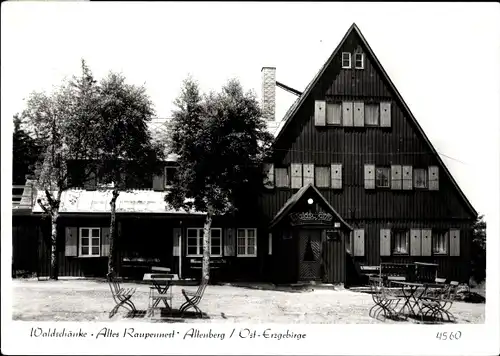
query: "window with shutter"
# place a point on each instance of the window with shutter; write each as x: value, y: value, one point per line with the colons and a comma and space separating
x: 359, y: 114
x: 333, y: 114
x: 347, y: 115
x: 247, y: 243
x: 322, y: 176
x: 282, y: 177
x: 105, y: 241
x: 369, y: 176
x: 229, y: 242
x: 71, y: 246
x: 440, y: 242
x: 359, y: 60
x: 308, y: 171
x: 320, y: 113
x: 400, y: 242
x: 382, y: 177
x: 90, y: 242
x: 420, y: 178
x: 336, y: 171
x: 372, y: 112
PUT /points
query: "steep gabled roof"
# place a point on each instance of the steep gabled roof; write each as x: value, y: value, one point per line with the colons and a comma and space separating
x: 294, y: 199
x: 290, y: 114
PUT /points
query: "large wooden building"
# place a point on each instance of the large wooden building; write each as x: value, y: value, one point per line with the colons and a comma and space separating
x: 354, y: 180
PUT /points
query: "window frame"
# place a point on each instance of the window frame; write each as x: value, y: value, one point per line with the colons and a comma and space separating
x: 246, y: 245
x: 362, y: 60
x: 350, y: 60
x: 90, y: 245
x: 287, y: 168
x: 369, y: 104
x: 446, y: 235
x: 329, y: 180
x: 414, y: 176
x: 388, y: 170
x: 166, y: 185
x: 395, y: 232
x: 199, y: 242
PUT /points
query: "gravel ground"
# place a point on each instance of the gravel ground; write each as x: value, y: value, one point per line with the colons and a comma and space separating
x: 87, y: 300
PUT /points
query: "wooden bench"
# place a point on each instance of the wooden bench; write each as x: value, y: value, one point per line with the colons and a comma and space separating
x: 193, y: 298
x: 121, y: 295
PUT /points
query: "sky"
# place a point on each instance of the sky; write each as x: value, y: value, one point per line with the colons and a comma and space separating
x: 443, y: 58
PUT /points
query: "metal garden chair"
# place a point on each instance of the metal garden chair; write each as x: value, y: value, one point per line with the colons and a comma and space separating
x: 121, y: 295
x: 193, y: 299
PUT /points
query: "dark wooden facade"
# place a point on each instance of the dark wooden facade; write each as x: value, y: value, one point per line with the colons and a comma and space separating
x: 280, y: 247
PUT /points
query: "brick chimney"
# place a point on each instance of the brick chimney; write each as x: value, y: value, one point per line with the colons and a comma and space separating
x: 268, y: 93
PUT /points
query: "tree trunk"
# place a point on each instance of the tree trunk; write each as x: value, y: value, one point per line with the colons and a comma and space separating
x: 205, y: 270
x: 112, y: 232
x: 54, y: 273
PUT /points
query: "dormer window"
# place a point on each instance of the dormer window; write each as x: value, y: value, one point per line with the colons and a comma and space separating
x: 359, y: 60
x: 346, y: 60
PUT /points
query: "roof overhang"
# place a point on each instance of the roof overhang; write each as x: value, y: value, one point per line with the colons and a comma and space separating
x: 294, y: 199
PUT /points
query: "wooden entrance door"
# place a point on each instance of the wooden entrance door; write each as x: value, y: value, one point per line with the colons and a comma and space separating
x: 309, y: 254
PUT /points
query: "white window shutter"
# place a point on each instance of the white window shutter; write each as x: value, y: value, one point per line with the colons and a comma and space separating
x: 296, y: 173
x: 396, y: 177
x: 407, y: 177
x: 308, y: 171
x: 385, y: 242
x: 269, y: 175
x: 71, y: 246
x: 385, y: 114
x: 426, y: 242
x: 336, y: 173
x: 105, y: 241
x: 433, y: 178
x: 369, y: 176
x: 359, y: 242
x: 415, y: 242
x: 229, y: 242
x: 454, y: 242
x: 347, y: 116
x: 320, y: 113
x: 270, y: 244
x: 359, y: 114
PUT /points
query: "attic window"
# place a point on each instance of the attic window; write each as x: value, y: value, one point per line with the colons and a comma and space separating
x: 346, y: 60
x: 359, y: 60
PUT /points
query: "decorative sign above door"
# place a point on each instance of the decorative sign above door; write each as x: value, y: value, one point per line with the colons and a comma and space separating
x: 307, y: 218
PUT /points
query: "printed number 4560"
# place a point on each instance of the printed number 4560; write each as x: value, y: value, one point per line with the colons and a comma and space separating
x: 449, y: 335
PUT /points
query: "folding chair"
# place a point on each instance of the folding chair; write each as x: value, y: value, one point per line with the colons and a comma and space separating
x: 121, y: 296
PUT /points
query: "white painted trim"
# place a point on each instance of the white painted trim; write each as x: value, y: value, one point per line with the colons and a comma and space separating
x: 362, y: 61
x: 199, y: 242
x: 246, y: 254
x: 90, y: 241
x: 350, y: 60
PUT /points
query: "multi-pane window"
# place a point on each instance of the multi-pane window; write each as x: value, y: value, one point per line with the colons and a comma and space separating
x: 359, y: 60
x: 322, y: 176
x: 195, y: 242
x: 382, y: 175
x: 346, y: 60
x: 401, y: 239
x: 420, y: 178
x: 90, y: 241
x: 169, y: 175
x: 439, y: 242
x: 282, y: 177
x: 372, y: 114
x: 247, y: 242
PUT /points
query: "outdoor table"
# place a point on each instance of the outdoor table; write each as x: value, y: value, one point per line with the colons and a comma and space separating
x: 162, y: 283
x: 410, y: 294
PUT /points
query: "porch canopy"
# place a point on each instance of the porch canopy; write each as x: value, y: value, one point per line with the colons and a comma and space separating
x: 132, y: 201
x: 306, y: 192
